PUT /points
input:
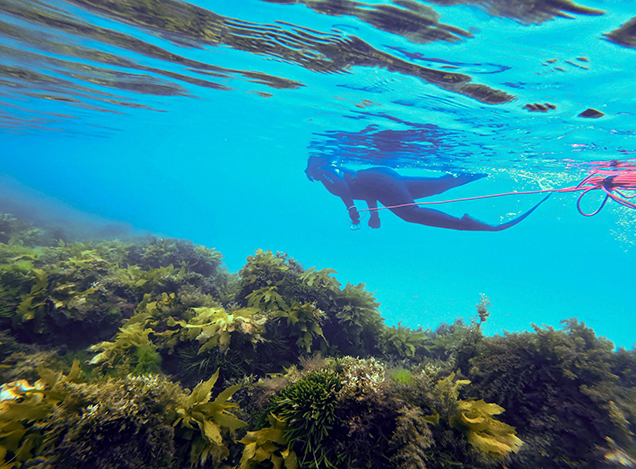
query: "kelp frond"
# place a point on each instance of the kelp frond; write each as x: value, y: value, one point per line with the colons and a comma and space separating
x: 208, y: 419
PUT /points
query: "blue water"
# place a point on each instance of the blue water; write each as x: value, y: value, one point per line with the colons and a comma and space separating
x: 172, y: 132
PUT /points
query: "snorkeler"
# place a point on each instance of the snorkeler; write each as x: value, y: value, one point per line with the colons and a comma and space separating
x: 384, y: 185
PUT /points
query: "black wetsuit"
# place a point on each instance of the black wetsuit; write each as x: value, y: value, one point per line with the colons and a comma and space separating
x: 386, y: 186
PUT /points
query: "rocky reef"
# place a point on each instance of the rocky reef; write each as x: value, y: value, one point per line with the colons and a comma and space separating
x: 148, y: 353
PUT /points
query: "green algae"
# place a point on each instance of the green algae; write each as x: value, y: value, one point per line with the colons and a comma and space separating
x: 402, y: 375
x: 309, y: 408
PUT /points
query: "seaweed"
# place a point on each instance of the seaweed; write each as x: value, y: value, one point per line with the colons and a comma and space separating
x: 482, y: 431
x: 334, y: 412
x: 357, y: 322
x: 130, y: 352
x: 266, y: 298
x: 215, y: 327
x: 119, y: 423
x: 403, y: 342
x: 360, y: 378
x: 203, y: 422
x: 456, y: 343
x: 401, y: 375
x: 303, y: 321
x: 264, y: 269
x: 267, y: 444
x: 411, y: 440
x: 556, y: 387
x: 21, y: 405
x: 60, y: 301
x: 349, y: 320
x: 162, y: 252
x: 309, y: 408
x: 145, y: 313
x: 134, y: 421
x: 18, y: 232
x: 140, y: 282
x: 71, y: 292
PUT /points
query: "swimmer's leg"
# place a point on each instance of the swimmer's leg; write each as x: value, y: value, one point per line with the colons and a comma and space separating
x: 429, y: 217
x: 423, y: 187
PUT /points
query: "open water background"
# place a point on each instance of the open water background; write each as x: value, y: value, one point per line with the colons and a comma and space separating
x: 196, y: 120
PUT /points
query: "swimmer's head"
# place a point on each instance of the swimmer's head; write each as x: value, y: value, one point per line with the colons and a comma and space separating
x: 314, y: 165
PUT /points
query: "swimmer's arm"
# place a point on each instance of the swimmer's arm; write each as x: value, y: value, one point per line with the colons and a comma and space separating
x: 335, y: 184
x: 351, y: 206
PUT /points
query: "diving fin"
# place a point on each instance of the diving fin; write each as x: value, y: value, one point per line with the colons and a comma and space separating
x: 507, y: 225
x: 471, y: 224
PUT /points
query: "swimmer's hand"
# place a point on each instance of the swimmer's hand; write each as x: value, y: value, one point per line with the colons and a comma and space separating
x: 355, y: 226
x: 374, y: 220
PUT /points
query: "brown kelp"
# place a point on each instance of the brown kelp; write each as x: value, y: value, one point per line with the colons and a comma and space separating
x: 287, y: 368
x: 560, y: 389
x: 135, y: 421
